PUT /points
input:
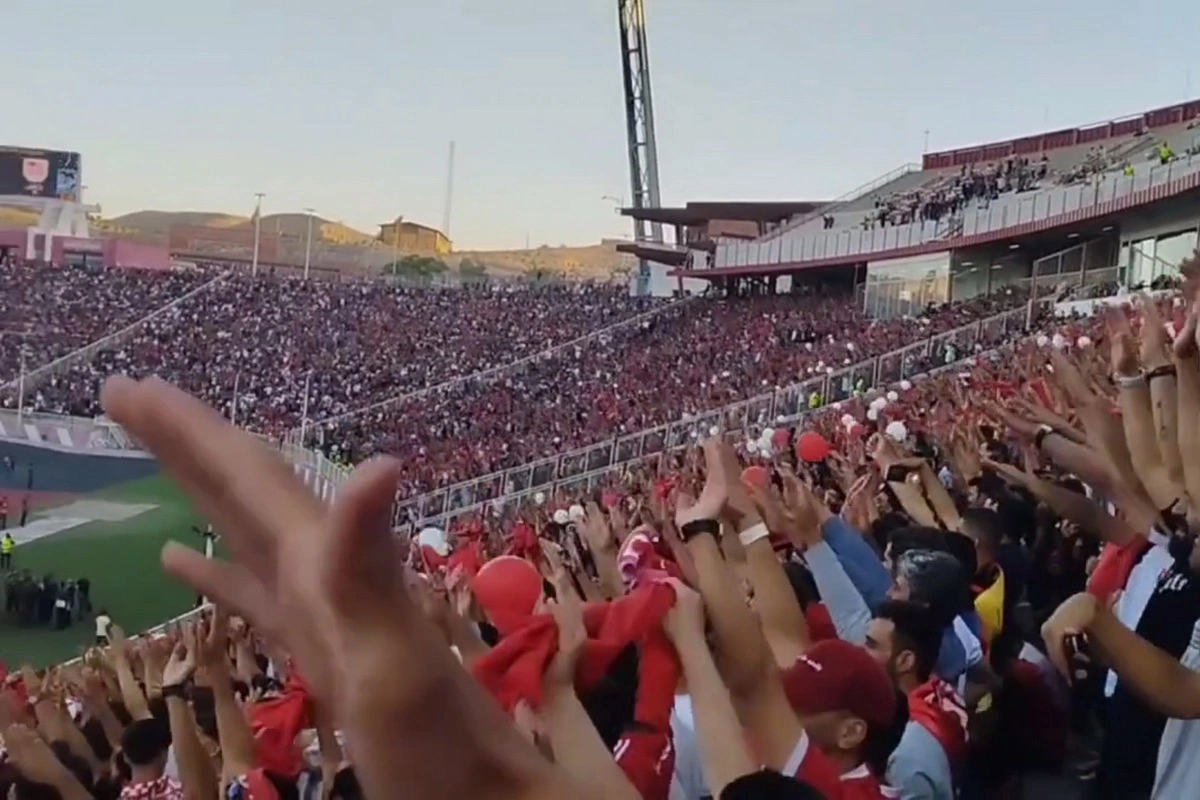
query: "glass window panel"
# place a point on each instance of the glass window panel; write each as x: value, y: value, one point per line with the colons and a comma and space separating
x: 1173, y: 250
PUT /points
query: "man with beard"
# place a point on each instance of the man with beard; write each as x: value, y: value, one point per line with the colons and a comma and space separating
x: 905, y: 638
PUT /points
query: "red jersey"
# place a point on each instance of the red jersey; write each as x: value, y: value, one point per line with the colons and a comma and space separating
x: 808, y: 764
x: 1113, y: 568
x: 648, y: 759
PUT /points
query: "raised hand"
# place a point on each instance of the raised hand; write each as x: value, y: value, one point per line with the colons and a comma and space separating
x: 770, y: 507
x: 686, y: 617
x: 1072, y: 617
x: 36, y: 762
x: 1013, y: 475
x: 1153, y: 340
x: 1016, y: 423
x: 859, y: 507
x: 1123, y: 353
x: 804, y: 509
x: 596, y: 530
x: 1187, y: 341
x: 716, y: 489
x: 568, y: 617
x: 328, y: 583
x: 180, y: 666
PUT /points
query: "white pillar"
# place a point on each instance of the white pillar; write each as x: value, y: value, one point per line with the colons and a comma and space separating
x: 308, y: 244
x: 257, y: 230
x: 21, y: 391
x: 304, y: 405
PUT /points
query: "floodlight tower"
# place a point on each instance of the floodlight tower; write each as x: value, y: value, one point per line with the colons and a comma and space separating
x: 639, y: 125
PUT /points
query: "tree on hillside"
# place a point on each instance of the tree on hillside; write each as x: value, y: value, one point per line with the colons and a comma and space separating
x: 471, y: 269
x: 414, y: 266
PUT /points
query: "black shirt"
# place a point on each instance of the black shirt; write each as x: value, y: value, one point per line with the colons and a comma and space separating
x: 769, y: 785
x: 1129, y: 755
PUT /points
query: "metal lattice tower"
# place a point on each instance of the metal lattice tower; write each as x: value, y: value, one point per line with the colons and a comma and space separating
x: 639, y: 123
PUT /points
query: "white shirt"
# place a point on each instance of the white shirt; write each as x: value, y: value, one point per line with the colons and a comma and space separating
x: 1178, y: 765
x: 103, y: 622
x: 688, y: 781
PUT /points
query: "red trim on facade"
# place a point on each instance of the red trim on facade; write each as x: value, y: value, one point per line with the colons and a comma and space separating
x: 1042, y: 142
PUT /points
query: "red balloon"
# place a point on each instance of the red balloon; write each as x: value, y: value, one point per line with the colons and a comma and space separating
x: 756, y: 476
x: 780, y: 439
x: 508, y: 589
x: 812, y: 447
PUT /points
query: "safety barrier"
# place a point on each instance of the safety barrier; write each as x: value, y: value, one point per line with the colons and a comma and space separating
x: 833, y: 385
x: 1008, y: 212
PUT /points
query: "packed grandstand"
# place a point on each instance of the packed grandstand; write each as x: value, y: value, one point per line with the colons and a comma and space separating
x: 883, y: 504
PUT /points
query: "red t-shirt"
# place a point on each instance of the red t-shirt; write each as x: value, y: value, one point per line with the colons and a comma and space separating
x: 808, y: 764
x: 276, y: 723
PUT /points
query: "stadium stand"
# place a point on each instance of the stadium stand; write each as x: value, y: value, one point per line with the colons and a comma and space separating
x: 47, y: 312
x: 911, y: 516
x: 705, y: 355
x: 991, y: 188
x: 565, y: 371
x: 353, y: 343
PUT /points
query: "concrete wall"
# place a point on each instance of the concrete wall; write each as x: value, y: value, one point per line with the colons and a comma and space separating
x: 61, y: 471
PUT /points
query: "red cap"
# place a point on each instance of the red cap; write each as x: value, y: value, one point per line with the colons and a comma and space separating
x: 837, y: 676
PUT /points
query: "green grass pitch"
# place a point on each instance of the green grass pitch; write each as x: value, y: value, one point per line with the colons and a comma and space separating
x: 121, y: 559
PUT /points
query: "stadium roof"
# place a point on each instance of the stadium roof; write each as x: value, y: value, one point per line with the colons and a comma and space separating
x: 669, y: 254
x: 747, y: 210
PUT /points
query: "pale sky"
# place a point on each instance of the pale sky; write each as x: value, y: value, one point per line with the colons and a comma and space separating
x: 349, y: 106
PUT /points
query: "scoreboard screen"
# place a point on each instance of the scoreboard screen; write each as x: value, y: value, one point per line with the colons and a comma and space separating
x: 30, y: 172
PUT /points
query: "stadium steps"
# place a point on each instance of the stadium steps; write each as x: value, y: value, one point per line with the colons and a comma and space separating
x: 867, y: 192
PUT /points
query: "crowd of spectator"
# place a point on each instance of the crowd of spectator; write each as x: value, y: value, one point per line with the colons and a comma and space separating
x: 696, y: 358
x: 265, y: 338
x: 1097, y: 161
x: 47, y: 312
x: 291, y: 350
x: 982, y: 584
x: 948, y: 195
x: 47, y: 602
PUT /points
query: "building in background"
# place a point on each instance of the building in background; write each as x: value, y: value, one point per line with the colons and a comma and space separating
x: 698, y: 229
x: 411, y: 237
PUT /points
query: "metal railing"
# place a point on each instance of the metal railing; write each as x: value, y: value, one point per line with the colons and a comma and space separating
x: 910, y: 363
x: 324, y: 476
x: 832, y: 386
x: 857, y: 193
x: 86, y: 434
x: 34, y: 377
x: 999, y: 215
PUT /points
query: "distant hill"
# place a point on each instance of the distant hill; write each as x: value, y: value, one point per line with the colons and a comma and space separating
x: 594, y: 262
x: 159, y: 223
x: 155, y: 224
x: 17, y: 217
x: 591, y: 262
